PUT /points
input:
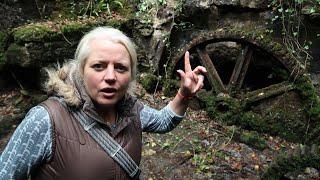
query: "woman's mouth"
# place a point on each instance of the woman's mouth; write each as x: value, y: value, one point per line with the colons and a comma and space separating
x: 108, y: 92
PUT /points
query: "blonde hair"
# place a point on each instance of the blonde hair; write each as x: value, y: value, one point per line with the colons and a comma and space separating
x: 109, y: 34
x: 73, y: 70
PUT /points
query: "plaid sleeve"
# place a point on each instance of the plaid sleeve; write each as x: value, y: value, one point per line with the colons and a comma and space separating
x: 162, y: 121
x: 29, y: 146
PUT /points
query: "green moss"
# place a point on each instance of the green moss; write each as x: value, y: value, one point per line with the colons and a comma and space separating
x: 252, y: 138
x: 293, y: 163
x: 280, y: 73
x: 66, y: 10
x: 17, y: 55
x: 170, y: 87
x: 35, y: 32
x: 232, y: 112
x: 307, y: 90
x: 123, y: 7
x: 312, y: 101
x: 14, y: 48
x: 116, y: 23
x: 250, y: 120
x: 74, y: 27
x: 274, y: 122
x: 3, y: 38
x: 223, y: 109
x: 149, y: 82
x: 2, y: 61
x: 74, y: 9
x: 42, y: 33
x: 277, y: 47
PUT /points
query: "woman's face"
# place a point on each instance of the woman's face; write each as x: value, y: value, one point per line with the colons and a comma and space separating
x: 107, y: 72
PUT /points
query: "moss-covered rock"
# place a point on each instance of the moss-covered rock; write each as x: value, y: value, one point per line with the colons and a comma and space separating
x: 250, y: 138
x: 297, y: 161
x: 253, y: 139
x: 149, y: 82
x: 43, y: 32
x: 18, y: 55
x: 34, y: 32
x: 74, y: 27
x: 275, y: 120
x: 224, y: 109
x: 170, y: 87
x: 312, y: 101
x: 46, y: 43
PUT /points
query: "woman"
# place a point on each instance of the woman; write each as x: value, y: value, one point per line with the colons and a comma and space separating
x: 69, y: 136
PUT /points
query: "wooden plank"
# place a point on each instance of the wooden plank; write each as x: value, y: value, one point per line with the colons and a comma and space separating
x: 213, y: 75
x: 267, y: 92
x: 240, y: 69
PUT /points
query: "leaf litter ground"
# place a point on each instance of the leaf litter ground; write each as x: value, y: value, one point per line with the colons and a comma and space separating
x: 199, y: 148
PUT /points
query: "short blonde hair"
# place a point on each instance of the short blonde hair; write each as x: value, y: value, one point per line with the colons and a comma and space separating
x: 109, y: 34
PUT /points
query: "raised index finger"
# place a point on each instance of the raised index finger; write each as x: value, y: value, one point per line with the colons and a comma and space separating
x: 187, y: 66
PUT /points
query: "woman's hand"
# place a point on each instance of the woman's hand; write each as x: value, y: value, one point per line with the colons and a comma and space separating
x: 191, y: 80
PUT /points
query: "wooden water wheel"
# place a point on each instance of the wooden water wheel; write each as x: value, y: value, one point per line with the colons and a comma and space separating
x: 264, y: 79
x: 250, y: 68
x: 252, y: 71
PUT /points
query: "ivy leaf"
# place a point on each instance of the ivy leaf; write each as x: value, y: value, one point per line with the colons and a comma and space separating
x: 299, y: 1
x: 312, y: 10
x: 118, y: 3
x: 289, y: 10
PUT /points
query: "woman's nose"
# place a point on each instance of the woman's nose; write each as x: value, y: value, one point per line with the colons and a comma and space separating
x: 110, y: 75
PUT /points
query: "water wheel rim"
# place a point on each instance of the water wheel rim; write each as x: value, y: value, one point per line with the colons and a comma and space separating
x: 199, y: 42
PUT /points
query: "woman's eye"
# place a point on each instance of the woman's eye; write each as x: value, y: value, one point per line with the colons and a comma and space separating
x: 121, y: 68
x: 97, y: 67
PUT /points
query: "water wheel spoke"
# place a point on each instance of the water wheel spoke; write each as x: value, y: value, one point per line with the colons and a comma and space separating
x: 272, y: 90
x: 213, y: 75
x: 240, y: 69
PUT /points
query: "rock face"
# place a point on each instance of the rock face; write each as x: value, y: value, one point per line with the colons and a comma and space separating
x: 37, y: 55
x: 14, y: 14
x: 201, y: 13
x: 255, y: 4
x: 37, y: 45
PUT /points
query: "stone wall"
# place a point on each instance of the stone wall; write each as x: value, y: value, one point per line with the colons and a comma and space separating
x: 41, y: 43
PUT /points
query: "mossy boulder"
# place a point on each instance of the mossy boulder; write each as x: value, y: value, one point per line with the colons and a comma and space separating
x: 170, y: 87
x: 294, y: 122
x: 250, y: 138
x: 43, y: 32
x: 44, y: 44
x: 312, y: 108
x: 305, y: 156
x: 18, y: 55
x: 34, y: 32
x: 149, y: 82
